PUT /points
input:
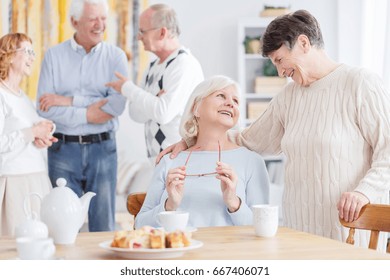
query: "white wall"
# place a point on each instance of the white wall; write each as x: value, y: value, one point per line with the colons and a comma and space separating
x: 349, y: 36
x: 209, y: 29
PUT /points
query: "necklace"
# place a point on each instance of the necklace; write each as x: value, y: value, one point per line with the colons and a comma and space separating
x: 17, y: 93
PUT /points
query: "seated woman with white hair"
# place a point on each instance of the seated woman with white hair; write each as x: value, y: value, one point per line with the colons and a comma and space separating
x: 215, y: 180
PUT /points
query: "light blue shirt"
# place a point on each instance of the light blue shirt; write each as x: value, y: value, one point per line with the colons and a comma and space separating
x: 69, y: 71
x: 202, y: 195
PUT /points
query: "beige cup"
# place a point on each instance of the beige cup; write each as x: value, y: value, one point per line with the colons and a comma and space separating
x: 265, y: 219
x: 31, y: 248
x: 173, y: 220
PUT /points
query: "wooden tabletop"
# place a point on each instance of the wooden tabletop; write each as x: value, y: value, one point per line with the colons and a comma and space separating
x: 220, y: 243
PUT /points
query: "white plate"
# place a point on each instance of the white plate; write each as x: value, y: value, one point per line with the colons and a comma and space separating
x: 145, y: 254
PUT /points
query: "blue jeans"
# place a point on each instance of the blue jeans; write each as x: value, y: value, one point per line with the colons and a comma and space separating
x: 88, y: 167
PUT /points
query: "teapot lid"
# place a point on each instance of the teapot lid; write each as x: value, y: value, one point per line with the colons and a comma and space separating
x: 59, y: 197
x: 61, y: 182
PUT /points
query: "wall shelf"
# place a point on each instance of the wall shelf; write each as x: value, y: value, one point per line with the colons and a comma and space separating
x: 254, y: 99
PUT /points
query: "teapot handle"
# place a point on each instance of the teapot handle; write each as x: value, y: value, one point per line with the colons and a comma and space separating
x: 30, y: 214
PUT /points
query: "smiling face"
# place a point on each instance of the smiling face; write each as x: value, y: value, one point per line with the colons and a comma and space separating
x: 91, y: 25
x: 292, y: 63
x: 221, y: 108
x: 23, y: 59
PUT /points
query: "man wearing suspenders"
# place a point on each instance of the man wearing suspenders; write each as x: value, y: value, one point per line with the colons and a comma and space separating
x: 160, y: 100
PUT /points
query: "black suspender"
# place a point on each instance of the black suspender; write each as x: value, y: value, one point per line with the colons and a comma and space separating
x: 160, y: 82
x: 150, y: 66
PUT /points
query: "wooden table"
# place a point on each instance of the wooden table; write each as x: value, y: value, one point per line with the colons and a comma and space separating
x: 222, y: 243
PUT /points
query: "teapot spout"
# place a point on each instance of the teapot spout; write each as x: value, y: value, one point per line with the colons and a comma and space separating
x: 85, y: 201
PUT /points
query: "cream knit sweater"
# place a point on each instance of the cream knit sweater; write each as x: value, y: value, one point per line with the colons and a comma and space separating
x: 336, y: 137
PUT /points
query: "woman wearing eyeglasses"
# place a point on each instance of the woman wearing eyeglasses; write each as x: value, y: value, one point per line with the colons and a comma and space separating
x: 216, y: 181
x: 22, y: 131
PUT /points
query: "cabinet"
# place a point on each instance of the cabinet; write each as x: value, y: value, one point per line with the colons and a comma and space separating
x: 257, y: 91
x: 251, y: 66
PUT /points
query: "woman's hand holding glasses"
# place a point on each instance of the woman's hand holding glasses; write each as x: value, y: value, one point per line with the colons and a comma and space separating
x: 175, y: 187
x: 228, y: 178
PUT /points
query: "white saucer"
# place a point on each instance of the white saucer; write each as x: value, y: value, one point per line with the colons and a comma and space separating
x: 188, y: 229
x: 191, y: 229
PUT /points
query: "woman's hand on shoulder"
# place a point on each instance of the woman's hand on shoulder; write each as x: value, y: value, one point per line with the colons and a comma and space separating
x: 174, y: 149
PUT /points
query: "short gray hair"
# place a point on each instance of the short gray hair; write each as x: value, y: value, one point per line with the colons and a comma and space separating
x: 165, y: 16
x: 77, y: 7
x: 188, y: 125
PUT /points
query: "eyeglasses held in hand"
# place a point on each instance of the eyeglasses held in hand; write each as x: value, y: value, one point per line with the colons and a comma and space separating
x: 202, y: 174
x: 27, y: 50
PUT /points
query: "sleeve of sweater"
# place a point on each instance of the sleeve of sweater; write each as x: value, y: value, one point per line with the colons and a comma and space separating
x: 14, y: 140
x: 180, y: 78
x: 155, y: 197
x: 265, y: 134
x: 256, y: 190
x: 373, y: 117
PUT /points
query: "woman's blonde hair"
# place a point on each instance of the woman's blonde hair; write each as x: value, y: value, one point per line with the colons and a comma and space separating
x: 189, y: 124
x: 8, y: 45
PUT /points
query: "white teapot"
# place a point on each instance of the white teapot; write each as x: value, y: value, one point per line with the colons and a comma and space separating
x: 31, y: 227
x: 64, y: 212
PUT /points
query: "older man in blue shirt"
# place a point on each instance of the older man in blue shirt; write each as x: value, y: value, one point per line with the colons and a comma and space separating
x: 72, y: 93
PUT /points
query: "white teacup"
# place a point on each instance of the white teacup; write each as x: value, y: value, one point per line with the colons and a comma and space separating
x: 265, y: 220
x: 30, y: 248
x: 53, y: 128
x: 32, y: 228
x: 173, y: 220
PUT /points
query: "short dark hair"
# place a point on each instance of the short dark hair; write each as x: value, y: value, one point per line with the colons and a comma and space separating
x: 285, y: 30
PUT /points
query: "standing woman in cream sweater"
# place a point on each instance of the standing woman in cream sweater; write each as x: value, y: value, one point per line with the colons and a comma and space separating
x: 333, y: 125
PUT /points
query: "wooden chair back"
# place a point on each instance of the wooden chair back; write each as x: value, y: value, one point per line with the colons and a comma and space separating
x: 134, y: 202
x: 373, y: 217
